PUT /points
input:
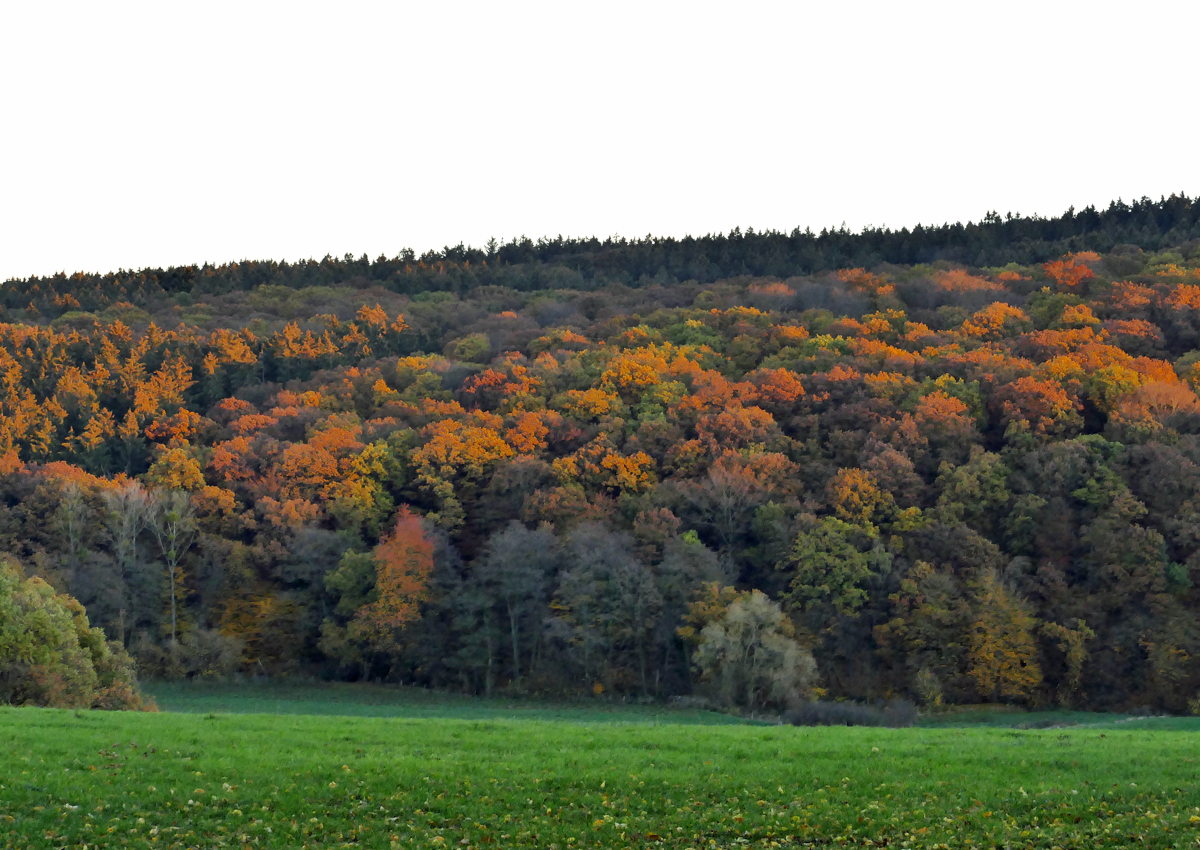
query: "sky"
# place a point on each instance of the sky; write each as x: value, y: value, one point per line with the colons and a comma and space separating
x: 154, y: 134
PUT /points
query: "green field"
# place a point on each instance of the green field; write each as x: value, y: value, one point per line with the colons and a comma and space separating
x: 323, y: 770
x: 356, y: 700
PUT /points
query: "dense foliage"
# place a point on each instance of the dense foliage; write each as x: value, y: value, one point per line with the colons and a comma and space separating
x: 51, y: 656
x: 952, y: 482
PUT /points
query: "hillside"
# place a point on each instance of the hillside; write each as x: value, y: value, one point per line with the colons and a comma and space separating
x: 964, y: 460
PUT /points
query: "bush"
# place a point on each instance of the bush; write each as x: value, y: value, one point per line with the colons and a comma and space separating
x: 691, y: 703
x: 896, y: 714
x: 749, y: 658
x: 200, y: 653
x: 51, y: 656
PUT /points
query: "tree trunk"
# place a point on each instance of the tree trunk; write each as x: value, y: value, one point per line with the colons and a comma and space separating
x: 488, y: 676
x: 513, y: 616
x: 174, y: 639
x: 642, y: 664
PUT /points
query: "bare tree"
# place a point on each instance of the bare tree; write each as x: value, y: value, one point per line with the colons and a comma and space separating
x: 71, y: 517
x: 726, y: 500
x: 172, y: 521
x: 128, y: 510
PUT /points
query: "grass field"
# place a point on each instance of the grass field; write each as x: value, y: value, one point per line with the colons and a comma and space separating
x: 612, y: 778
x: 357, y: 700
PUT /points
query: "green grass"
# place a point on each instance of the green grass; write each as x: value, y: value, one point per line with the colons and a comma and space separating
x: 177, y: 780
x: 359, y: 700
x: 1002, y: 717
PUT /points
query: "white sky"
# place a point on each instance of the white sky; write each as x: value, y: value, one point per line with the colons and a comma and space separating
x: 135, y: 134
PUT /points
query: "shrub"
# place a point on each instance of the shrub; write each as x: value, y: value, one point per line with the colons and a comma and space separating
x: 51, y: 656
x: 896, y: 714
x: 200, y: 653
x: 928, y: 687
x: 749, y: 658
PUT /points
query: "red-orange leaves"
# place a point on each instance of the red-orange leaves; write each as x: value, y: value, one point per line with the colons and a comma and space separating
x: 496, y: 389
x: 1185, y: 297
x: 253, y: 422
x: 181, y: 425
x: 1043, y: 404
x: 559, y: 340
x: 778, y: 388
x: 1128, y: 330
x: 1153, y: 370
x: 790, y: 334
x: 306, y: 471
x: 1128, y: 297
x: 231, y: 460
x: 338, y: 441
x: 1153, y: 406
x: 403, y: 563
x: 309, y: 470
x: 960, y: 280
x: 288, y: 514
x: 1162, y: 400
x: 486, y: 380
x: 938, y: 409
x: 230, y: 408
x: 943, y: 419
x: 736, y: 427
x: 864, y: 281
x: 529, y: 431
x: 1071, y: 271
x: 882, y: 355
x: 1047, y: 344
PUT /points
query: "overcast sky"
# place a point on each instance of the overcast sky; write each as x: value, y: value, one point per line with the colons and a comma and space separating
x: 136, y: 134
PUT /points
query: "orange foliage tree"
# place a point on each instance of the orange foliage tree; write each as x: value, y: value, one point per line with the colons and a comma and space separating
x: 403, y: 564
x: 1072, y: 270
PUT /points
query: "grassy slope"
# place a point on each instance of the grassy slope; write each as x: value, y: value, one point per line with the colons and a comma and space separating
x: 188, y: 780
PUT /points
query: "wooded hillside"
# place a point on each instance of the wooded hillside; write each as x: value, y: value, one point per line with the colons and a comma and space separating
x: 965, y: 461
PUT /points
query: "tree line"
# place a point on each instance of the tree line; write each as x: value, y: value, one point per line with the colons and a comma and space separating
x: 548, y: 264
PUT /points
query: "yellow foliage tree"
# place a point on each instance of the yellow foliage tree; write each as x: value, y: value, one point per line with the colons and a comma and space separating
x: 1003, y: 652
x: 175, y: 469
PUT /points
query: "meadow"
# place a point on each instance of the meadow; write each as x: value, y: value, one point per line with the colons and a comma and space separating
x: 607, y: 776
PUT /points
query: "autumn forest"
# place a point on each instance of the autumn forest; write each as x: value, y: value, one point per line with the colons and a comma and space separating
x: 953, y: 465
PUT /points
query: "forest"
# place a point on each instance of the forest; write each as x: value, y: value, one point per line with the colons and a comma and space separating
x: 954, y: 465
